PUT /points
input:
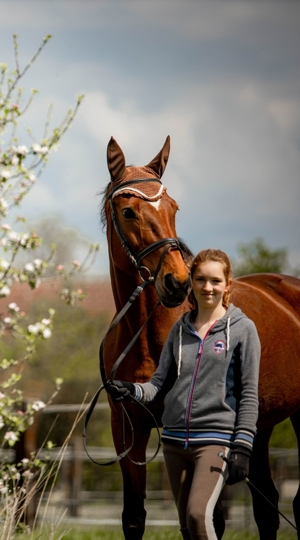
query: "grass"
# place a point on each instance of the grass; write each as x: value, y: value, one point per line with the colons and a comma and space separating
x: 160, y: 533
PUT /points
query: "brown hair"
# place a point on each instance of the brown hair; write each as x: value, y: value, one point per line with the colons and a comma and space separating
x: 211, y: 255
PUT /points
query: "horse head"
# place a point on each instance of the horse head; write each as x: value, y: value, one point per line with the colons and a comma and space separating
x: 140, y: 216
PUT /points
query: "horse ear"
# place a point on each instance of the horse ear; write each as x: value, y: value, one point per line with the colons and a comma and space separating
x: 115, y: 160
x: 159, y: 163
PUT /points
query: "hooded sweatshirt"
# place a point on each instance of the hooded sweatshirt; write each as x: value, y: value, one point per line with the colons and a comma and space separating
x: 214, y: 397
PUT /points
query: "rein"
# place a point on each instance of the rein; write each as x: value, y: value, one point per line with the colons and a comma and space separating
x: 136, y: 260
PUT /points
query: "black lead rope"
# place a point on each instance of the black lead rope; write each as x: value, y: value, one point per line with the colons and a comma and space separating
x: 222, y: 456
x: 93, y: 403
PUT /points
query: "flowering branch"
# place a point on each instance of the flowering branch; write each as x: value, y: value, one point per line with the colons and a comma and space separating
x: 20, y: 168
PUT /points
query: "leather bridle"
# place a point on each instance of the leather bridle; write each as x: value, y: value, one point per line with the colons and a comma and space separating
x: 136, y: 259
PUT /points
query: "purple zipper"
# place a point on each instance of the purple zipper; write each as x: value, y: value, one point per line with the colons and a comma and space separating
x: 191, y: 394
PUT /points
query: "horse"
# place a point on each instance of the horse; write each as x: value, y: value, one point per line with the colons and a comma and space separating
x: 139, y: 217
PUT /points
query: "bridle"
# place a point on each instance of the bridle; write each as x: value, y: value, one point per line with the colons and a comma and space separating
x: 136, y: 259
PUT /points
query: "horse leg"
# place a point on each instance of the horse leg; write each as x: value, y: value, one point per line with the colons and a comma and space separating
x: 266, y: 517
x: 295, y: 419
x: 219, y: 520
x: 134, y: 479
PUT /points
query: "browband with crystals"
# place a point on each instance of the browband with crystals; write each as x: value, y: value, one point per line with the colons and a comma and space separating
x: 125, y: 186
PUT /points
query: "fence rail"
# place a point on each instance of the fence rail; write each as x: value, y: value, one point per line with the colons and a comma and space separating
x: 103, y: 505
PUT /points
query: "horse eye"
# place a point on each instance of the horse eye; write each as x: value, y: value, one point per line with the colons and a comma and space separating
x: 128, y: 213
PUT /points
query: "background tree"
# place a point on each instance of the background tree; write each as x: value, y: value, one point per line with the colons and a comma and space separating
x: 61, y: 243
x: 256, y: 257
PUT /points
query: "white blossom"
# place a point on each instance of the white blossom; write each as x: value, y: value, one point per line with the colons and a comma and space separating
x: 29, y: 267
x: 37, y: 263
x: 1, y: 422
x: 4, y: 291
x: 10, y: 436
x: 5, y: 174
x: 3, y: 206
x: 47, y: 333
x: 32, y: 178
x: 5, y: 227
x: 4, y: 264
x: 2, y: 395
x: 25, y: 461
x: 33, y: 329
x: 15, y: 161
x: 13, y: 236
x: 38, y: 149
x: 46, y: 321
x: 28, y: 474
x: 38, y: 405
x: 22, y: 150
x: 24, y: 239
x: 13, y: 306
x: 7, y: 320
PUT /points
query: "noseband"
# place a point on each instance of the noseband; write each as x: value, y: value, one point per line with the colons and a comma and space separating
x: 136, y: 258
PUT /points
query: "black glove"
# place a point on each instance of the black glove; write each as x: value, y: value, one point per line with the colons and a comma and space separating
x: 238, y: 467
x: 120, y: 390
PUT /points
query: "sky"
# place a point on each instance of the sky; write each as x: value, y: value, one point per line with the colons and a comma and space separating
x: 221, y: 77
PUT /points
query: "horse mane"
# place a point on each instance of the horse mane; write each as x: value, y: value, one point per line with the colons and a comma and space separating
x: 103, y: 192
x: 188, y: 255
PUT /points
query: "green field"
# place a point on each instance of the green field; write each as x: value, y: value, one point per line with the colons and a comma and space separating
x: 115, y: 533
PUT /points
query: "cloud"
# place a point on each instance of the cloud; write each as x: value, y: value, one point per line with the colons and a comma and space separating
x: 221, y: 20
x: 221, y: 78
x: 60, y: 14
x: 219, y: 139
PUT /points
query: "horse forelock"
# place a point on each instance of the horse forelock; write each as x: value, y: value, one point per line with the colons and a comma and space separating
x: 134, y: 173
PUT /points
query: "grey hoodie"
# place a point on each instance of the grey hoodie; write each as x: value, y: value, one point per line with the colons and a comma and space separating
x: 214, y: 397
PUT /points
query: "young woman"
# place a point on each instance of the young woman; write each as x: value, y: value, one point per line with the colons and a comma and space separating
x: 213, y: 405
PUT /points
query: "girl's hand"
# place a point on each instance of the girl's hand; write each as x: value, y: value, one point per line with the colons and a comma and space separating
x: 238, y: 468
x: 120, y: 390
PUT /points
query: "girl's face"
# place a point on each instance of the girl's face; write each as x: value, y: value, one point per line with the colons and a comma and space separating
x: 209, y: 284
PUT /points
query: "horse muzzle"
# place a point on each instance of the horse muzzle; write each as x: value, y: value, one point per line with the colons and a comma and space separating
x: 172, y: 292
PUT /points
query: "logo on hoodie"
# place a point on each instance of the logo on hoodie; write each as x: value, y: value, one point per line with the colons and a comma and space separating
x: 219, y: 346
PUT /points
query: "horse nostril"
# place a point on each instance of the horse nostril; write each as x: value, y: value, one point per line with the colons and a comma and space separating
x: 173, y: 286
x: 169, y: 282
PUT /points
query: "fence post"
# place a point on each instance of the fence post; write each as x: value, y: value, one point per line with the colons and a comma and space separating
x: 23, y: 449
x: 77, y: 474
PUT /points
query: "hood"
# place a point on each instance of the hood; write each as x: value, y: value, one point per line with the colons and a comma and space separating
x: 232, y: 316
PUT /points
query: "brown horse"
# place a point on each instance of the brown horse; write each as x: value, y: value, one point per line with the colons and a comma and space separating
x: 140, y: 222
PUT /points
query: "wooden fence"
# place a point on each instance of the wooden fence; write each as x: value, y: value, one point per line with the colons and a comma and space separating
x: 71, y: 492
